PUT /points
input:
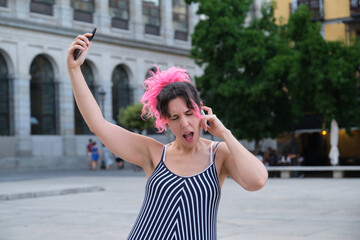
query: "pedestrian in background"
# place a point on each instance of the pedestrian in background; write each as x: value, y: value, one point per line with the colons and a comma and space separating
x: 184, y: 177
x: 107, y: 157
x: 94, y: 156
x: 89, y: 153
x: 119, y: 162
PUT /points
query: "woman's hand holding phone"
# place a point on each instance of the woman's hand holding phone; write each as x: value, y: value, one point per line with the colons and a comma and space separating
x: 79, y: 48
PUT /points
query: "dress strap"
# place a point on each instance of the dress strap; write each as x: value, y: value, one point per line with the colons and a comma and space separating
x: 163, y: 153
x: 211, y: 152
x: 216, y: 146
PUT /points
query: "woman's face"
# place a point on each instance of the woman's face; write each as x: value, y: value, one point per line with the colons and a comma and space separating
x: 183, y: 122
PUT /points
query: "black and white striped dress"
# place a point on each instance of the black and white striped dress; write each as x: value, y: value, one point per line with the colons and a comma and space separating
x: 177, y: 207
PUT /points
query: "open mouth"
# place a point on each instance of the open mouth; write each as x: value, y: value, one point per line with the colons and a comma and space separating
x: 189, y: 136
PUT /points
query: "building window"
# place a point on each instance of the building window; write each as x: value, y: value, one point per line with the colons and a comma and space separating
x: 83, y: 10
x: 81, y: 127
x: 354, y: 7
x: 151, y: 16
x: 4, y: 98
x: 119, y: 12
x: 180, y: 19
x: 42, y: 6
x: 43, y: 104
x: 3, y: 3
x: 314, y: 8
x: 121, y: 92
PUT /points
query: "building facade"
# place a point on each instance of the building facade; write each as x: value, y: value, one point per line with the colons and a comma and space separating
x: 40, y: 125
x: 340, y: 19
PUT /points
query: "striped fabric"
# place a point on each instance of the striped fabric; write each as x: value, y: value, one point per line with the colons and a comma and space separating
x: 177, y: 207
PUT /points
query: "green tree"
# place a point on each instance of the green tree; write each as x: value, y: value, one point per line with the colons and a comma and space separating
x: 319, y: 76
x: 130, y: 117
x: 235, y: 58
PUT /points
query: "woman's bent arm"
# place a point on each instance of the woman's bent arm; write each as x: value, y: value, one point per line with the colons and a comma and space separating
x: 131, y: 147
x: 243, y: 166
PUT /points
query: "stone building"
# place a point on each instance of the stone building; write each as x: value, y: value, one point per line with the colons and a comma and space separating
x: 40, y: 125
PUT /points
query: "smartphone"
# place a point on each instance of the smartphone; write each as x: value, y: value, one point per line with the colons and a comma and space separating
x: 78, y: 52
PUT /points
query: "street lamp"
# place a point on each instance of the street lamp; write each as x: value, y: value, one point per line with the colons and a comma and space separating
x: 102, y: 94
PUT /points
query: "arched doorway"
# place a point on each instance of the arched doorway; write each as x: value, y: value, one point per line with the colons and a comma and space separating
x: 42, y: 97
x: 121, y: 91
x: 4, y: 98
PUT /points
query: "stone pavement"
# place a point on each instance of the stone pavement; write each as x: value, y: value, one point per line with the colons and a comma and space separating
x: 103, y: 205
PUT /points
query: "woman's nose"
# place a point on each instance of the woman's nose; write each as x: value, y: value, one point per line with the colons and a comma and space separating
x: 184, y: 122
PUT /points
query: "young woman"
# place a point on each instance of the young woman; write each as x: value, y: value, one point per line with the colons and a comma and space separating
x: 184, y: 177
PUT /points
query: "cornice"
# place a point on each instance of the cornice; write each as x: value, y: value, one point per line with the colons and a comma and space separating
x: 71, y: 32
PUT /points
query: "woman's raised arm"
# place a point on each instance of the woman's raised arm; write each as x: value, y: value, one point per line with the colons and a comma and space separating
x: 129, y: 146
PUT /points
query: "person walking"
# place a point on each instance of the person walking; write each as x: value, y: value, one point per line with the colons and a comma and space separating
x: 119, y: 162
x: 184, y: 177
x: 94, y: 156
x: 107, y: 157
x: 89, y: 153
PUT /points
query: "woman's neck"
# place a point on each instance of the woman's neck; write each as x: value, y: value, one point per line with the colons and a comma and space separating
x: 178, y: 146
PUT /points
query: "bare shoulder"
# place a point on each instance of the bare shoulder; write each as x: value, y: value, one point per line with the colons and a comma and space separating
x: 155, y: 149
x: 222, y: 150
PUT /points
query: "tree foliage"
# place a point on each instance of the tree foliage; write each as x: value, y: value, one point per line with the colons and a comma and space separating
x: 260, y: 77
x: 130, y: 117
x: 235, y: 57
x: 320, y: 76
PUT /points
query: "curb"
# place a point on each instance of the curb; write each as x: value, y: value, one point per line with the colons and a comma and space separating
x: 27, y: 195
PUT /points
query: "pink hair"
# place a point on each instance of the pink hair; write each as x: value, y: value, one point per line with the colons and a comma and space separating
x: 153, y: 86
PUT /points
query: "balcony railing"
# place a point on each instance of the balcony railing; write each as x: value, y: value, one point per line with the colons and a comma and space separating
x: 180, y: 35
x: 83, y: 16
x: 43, y: 8
x: 355, y: 8
x: 152, y: 29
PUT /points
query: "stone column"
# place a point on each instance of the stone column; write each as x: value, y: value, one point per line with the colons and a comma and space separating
x: 22, y: 120
x: 167, y: 30
x: 65, y: 13
x: 107, y: 86
x: 102, y: 18
x: 136, y: 19
x: 22, y: 12
x: 105, y: 104
x: 193, y: 18
x: 66, y: 107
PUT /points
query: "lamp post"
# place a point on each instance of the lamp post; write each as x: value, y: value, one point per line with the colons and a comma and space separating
x: 102, y: 94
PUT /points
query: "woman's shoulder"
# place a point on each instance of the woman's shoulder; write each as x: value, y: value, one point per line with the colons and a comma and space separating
x: 208, y: 142
x: 205, y: 141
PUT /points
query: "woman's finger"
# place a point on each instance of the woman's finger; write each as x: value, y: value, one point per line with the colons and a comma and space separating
x: 80, y: 43
x: 206, y: 122
x: 80, y: 47
x: 84, y: 37
x: 81, y: 40
x: 207, y: 109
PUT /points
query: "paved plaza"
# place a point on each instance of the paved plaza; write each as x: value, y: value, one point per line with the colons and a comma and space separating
x: 84, y: 205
